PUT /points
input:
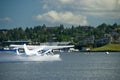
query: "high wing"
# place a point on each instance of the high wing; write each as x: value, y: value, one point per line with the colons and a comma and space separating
x: 21, y: 46
x: 36, y: 47
x: 58, y: 47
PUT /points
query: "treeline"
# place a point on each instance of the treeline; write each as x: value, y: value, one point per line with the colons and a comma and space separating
x: 74, y: 34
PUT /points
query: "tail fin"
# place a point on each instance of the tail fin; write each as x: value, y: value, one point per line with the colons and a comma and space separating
x: 27, y: 51
x: 17, y: 52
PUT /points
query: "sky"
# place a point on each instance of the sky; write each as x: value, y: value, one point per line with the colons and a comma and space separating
x: 30, y: 13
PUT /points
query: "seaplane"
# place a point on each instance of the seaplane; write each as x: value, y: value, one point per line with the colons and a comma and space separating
x: 34, y: 50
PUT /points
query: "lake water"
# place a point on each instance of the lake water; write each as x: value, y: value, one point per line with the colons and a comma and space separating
x: 72, y: 66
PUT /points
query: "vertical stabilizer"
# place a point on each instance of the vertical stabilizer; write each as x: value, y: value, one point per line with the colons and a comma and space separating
x: 17, y: 52
x: 27, y: 51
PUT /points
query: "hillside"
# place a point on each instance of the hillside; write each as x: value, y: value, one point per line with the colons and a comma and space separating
x: 108, y: 47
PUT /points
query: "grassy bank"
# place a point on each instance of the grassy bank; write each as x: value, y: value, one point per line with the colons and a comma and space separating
x: 108, y: 47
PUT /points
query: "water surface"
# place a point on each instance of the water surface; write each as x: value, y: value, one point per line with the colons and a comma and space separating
x: 72, y: 66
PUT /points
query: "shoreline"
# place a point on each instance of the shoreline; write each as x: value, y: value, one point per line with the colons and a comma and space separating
x: 101, y: 51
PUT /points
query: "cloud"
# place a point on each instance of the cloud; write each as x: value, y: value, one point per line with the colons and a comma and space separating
x: 63, y: 17
x: 45, y: 6
x: 5, y: 19
x: 93, y: 4
x: 99, y: 8
x: 66, y: 1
